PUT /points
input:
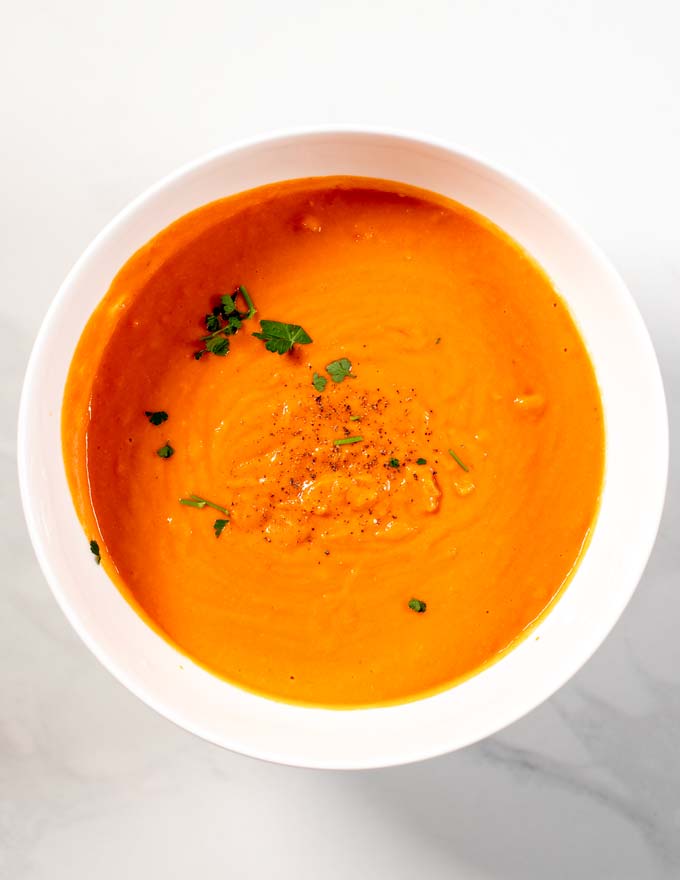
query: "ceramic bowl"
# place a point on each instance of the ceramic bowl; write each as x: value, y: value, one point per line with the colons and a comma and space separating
x: 636, y: 432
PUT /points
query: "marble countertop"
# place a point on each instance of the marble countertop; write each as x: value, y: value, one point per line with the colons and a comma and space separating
x: 583, y: 99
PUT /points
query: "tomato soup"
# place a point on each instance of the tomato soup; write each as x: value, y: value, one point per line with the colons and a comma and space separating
x: 338, y: 440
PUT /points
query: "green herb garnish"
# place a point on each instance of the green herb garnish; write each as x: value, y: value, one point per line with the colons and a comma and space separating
x: 280, y: 337
x: 165, y: 451
x: 156, y: 418
x: 246, y: 296
x: 345, y: 441
x: 393, y: 463
x: 200, y: 503
x: 217, y: 345
x: 319, y: 382
x: 418, y: 606
x: 224, y: 321
x: 355, y: 418
x: 458, y: 461
x: 212, y: 322
x: 340, y: 369
x: 421, y: 461
x: 219, y: 525
x: 94, y: 550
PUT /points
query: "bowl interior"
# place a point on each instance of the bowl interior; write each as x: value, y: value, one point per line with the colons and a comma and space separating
x: 636, y: 429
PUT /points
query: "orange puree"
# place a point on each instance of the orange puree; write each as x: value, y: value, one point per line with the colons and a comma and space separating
x: 457, y: 341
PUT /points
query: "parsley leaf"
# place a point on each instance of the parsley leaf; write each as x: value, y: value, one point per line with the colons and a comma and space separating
x: 165, y: 451
x: 218, y: 345
x: 280, y: 337
x: 219, y: 525
x: 156, y: 418
x: 212, y: 323
x: 319, y: 382
x: 229, y: 304
x: 393, y: 463
x: 340, y: 369
x: 224, y: 321
x: 94, y: 549
x: 234, y: 323
x: 418, y: 606
x: 355, y: 418
x: 421, y: 461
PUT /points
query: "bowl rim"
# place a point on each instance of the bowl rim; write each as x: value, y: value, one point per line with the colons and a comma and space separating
x: 29, y: 395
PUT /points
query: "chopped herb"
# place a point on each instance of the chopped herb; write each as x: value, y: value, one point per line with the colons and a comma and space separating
x: 212, y: 323
x: 156, y: 418
x: 219, y: 525
x: 421, y: 461
x: 458, y: 461
x: 228, y: 301
x: 319, y: 382
x: 94, y: 550
x: 280, y: 337
x: 344, y: 441
x: 355, y: 418
x: 197, y: 501
x: 234, y: 323
x: 418, y: 606
x: 165, y: 451
x: 340, y: 369
x: 246, y: 296
x: 393, y: 463
x: 229, y: 304
x: 224, y: 321
x: 218, y: 345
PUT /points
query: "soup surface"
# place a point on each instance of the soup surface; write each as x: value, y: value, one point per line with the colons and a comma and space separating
x: 376, y: 569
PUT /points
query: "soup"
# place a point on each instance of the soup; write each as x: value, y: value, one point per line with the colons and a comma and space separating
x: 338, y: 440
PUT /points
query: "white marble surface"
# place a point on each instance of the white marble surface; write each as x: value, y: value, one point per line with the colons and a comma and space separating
x: 582, y: 97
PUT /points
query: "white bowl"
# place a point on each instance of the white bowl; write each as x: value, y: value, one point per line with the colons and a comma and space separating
x: 632, y: 500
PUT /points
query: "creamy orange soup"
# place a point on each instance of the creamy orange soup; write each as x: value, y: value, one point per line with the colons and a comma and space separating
x: 376, y: 513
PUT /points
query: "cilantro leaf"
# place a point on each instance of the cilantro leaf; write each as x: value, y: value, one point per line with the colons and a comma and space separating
x: 156, y: 418
x: 421, y: 461
x: 393, y: 463
x: 94, y: 549
x: 418, y: 606
x: 319, y: 382
x: 165, y: 451
x: 340, y: 369
x: 280, y: 337
x: 219, y: 525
